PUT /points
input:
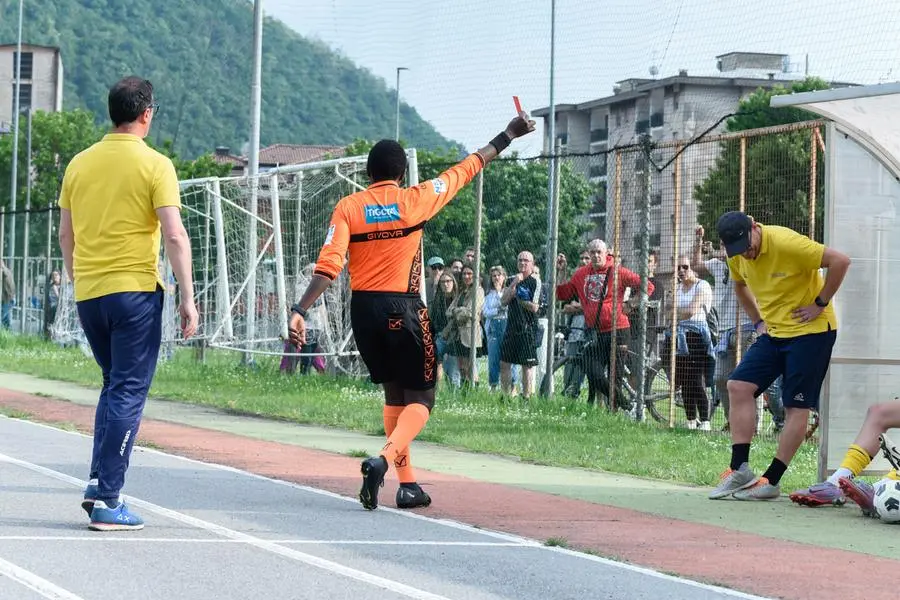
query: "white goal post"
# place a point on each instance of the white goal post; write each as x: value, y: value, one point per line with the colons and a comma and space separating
x: 250, y: 266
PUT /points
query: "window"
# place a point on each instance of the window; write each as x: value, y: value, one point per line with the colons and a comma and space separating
x: 599, y: 135
x: 656, y: 199
x: 642, y: 126
x: 24, y: 97
x: 599, y: 168
x: 656, y: 119
x: 27, y: 65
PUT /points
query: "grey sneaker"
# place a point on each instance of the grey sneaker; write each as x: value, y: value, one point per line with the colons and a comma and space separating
x: 733, y: 481
x: 761, y: 490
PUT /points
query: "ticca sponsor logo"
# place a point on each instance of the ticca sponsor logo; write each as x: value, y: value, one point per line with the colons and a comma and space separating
x: 382, y: 214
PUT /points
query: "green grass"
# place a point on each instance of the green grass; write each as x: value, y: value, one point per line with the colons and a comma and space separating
x: 551, y: 432
x: 358, y: 453
x: 560, y: 542
x: 13, y: 413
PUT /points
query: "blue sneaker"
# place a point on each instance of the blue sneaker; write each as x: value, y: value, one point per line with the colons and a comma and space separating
x: 90, y: 495
x: 104, y: 518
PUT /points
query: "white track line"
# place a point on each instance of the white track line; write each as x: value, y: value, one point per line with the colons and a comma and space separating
x: 35, y: 583
x: 148, y: 540
x: 225, y: 532
x: 445, y: 522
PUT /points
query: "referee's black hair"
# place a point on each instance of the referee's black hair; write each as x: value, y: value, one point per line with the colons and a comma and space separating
x: 387, y: 161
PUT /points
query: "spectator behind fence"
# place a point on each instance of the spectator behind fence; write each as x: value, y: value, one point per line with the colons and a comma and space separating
x: 51, y: 301
x: 116, y: 196
x: 436, y: 268
x: 519, y: 347
x: 7, y: 295
x: 460, y: 316
x: 594, y: 287
x: 573, y: 372
x: 495, y: 319
x: 694, y: 355
x: 443, y: 299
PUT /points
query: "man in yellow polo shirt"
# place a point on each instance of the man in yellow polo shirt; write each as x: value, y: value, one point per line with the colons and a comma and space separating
x: 778, y: 283
x: 115, y: 198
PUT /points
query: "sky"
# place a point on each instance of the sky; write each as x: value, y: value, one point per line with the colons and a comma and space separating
x: 467, y: 58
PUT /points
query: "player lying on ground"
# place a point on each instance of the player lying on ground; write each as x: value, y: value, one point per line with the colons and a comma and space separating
x: 843, y: 483
x: 381, y: 227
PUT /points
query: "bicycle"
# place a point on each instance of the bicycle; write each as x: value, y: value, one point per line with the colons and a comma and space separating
x: 656, y: 379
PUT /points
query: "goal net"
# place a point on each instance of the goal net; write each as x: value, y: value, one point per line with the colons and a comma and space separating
x: 254, y: 245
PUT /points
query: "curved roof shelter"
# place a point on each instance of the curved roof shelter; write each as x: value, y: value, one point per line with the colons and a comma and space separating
x: 868, y: 113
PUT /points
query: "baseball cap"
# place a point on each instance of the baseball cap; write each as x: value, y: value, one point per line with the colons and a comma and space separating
x: 734, y: 231
x: 435, y: 261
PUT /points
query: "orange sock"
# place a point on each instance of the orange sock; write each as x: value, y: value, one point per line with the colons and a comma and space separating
x: 410, y: 422
x: 402, y: 463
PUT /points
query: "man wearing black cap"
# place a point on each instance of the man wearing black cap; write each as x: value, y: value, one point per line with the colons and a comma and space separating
x: 778, y: 283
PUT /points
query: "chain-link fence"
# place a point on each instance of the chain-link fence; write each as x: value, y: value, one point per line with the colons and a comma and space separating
x: 655, y: 207
x: 489, y: 267
x: 29, y: 275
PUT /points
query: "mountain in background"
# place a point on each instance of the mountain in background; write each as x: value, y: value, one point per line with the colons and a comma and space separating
x: 198, y: 54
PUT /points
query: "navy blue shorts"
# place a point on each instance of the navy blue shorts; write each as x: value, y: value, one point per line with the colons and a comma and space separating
x: 802, y: 361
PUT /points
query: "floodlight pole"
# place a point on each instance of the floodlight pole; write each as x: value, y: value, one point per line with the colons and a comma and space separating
x: 551, y: 136
x: 397, y: 133
x: 14, y: 178
x: 253, y: 172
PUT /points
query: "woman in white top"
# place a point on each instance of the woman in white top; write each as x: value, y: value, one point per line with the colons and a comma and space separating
x: 693, y: 299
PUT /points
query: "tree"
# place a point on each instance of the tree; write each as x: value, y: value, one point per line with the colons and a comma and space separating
x: 56, y: 137
x: 777, y: 166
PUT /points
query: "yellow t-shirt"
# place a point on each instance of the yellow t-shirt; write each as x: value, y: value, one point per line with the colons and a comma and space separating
x: 785, y: 276
x: 113, y: 189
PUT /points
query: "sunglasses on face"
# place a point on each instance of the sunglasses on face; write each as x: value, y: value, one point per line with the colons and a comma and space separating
x: 683, y: 267
x: 437, y: 267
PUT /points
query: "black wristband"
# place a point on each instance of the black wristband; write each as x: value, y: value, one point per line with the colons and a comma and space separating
x: 296, y: 309
x: 501, y: 141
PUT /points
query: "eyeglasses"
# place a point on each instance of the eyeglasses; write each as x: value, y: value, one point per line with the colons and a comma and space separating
x: 437, y: 267
x: 154, y: 106
x: 684, y: 267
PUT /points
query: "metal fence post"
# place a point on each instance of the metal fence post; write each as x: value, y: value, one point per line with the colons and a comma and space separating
x: 552, y: 251
x: 476, y: 281
x: 643, y: 271
x: 676, y: 250
x: 813, y: 174
x: 617, y: 232
x: 742, y: 206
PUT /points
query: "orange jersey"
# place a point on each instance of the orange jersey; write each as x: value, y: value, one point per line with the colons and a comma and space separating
x: 382, y: 226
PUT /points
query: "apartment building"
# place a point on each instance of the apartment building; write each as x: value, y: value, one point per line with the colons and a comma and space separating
x: 41, y: 84
x: 676, y: 107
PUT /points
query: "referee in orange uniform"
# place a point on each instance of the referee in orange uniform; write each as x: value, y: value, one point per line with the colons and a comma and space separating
x: 381, y: 228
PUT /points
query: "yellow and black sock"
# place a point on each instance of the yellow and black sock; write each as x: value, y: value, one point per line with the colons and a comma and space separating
x: 856, y: 460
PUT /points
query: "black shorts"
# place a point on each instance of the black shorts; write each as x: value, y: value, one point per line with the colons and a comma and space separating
x: 519, y: 347
x: 394, y: 338
x: 801, y: 361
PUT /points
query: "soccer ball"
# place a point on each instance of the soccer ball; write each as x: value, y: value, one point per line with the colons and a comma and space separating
x: 887, y: 500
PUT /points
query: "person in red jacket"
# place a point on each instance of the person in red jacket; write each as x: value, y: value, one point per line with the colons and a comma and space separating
x: 593, y: 285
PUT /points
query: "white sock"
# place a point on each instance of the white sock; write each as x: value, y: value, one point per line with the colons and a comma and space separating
x: 842, y: 472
